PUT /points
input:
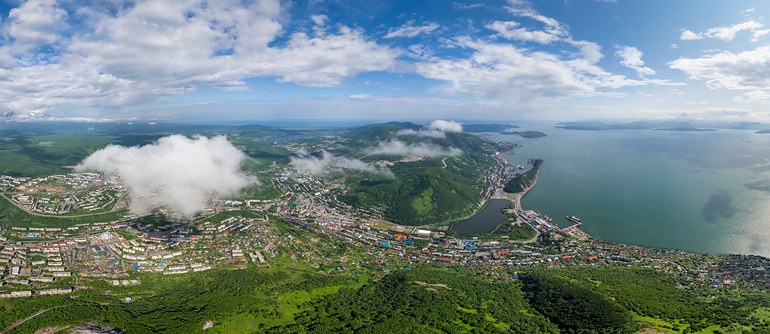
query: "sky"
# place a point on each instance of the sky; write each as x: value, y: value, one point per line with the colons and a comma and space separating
x: 120, y: 60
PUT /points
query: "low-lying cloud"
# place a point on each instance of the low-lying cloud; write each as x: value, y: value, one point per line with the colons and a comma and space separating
x: 320, y: 166
x: 445, y: 126
x: 421, y: 133
x: 175, y: 172
x: 436, y: 129
x: 423, y: 150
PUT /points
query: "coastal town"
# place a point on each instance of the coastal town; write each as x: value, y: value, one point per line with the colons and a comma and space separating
x: 307, y: 223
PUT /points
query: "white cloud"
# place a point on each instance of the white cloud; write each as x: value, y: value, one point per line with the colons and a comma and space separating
x: 503, y: 71
x: 323, y: 61
x: 319, y: 20
x: 35, y: 23
x: 436, y: 129
x: 410, y: 30
x: 674, y: 91
x: 175, y: 172
x: 445, y: 126
x: 726, y: 33
x: 689, y: 35
x: 359, y: 96
x: 528, y: 76
x: 754, y: 96
x: 631, y: 57
x: 421, y: 133
x: 134, y: 54
x: 748, y: 71
x: 708, y: 113
x: 423, y: 150
x: 512, y: 30
x: 467, y: 6
x: 524, y: 8
x: 757, y: 34
x: 321, y: 166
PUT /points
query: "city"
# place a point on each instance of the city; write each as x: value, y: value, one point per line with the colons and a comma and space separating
x: 44, y: 261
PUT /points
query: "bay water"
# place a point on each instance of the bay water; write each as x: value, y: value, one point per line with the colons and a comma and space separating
x: 696, y: 191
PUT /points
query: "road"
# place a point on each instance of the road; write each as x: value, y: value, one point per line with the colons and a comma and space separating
x: 114, y: 208
x: 19, y: 322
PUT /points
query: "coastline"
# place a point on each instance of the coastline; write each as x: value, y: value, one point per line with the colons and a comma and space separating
x: 573, y: 230
x: 516, y: 197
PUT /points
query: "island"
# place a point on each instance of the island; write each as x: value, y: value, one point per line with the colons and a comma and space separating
x: 525, y: 134
x: 488, y: 127
x: 667, y: 125
x: 686, y: 129
x: 346, y: 248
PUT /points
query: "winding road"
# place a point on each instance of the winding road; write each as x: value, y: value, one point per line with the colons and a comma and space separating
x: 19, y: 322
x: 114, y: 208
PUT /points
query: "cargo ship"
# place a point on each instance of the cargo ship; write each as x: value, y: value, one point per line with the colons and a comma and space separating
x: 574, y: 219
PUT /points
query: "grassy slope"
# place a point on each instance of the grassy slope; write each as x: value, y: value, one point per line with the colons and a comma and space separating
x: 10, y: 215
x: 423, y: 192
x: 424, y: 195
x: 291, y: 297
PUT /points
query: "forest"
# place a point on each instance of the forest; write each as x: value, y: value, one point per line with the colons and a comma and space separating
x: 424, y: 194
x: 293, y: 298
x: 523, y: 181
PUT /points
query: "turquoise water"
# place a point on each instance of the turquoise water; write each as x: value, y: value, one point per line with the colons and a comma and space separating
x: 697, y: 191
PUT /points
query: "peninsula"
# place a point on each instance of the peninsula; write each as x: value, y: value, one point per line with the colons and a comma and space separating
x: 278, y: 258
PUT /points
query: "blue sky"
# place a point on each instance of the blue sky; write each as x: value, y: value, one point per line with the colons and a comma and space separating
x: 340, y: 59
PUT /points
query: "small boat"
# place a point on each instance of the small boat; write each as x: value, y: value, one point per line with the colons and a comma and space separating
x: 574, y: 219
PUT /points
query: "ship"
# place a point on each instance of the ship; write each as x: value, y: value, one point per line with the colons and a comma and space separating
x: 574, y: 219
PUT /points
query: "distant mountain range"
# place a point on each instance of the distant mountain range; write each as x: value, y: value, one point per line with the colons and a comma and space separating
x: 676, y: 125
x: 492, y: 127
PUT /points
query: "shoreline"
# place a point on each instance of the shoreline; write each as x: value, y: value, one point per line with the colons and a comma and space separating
x: 516, y: 197
x: 499, y: 193
x: 574, y: 230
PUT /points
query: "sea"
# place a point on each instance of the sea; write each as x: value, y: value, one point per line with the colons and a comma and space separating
x: 706, y: 192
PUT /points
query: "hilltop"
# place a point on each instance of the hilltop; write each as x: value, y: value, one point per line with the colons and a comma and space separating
x: 425, y: 190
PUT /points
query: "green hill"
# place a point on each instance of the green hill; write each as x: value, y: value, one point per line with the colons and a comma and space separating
x: 423, y: 191
x: 522, y: 182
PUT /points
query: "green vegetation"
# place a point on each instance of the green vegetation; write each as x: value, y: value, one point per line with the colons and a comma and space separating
x: 292, y: 297
x: 364, y: 136
x: 525, y: 134
x: 522, y: 182
x: 574, y: 308
x: 426, y: 300
x: 655, y: 295
x: 359, y: 295
x: 10, y: 215
x: 39, y: 149
x: 520, y: 231
x: 163, y: 304
x: 422, y: 192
